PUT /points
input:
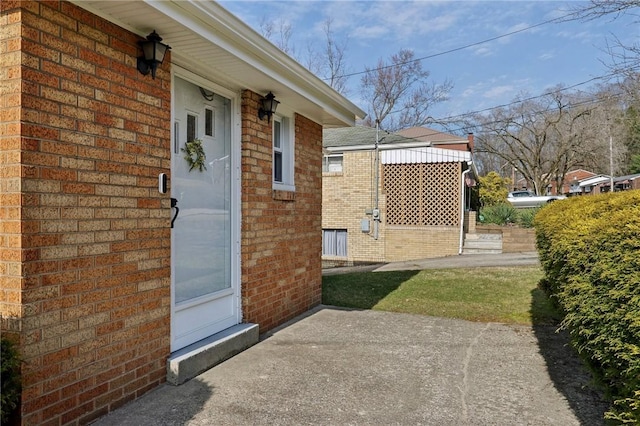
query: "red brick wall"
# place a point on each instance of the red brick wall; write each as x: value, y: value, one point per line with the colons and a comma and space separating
x: 10, y: 171
x: 81, y: 211
x: 281, y: 231
x: 84, y: 233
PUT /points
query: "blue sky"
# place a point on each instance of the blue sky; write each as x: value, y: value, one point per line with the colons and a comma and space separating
x: 484, y: 75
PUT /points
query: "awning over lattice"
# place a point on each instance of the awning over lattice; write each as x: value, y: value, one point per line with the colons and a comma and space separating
x: 424, y: 155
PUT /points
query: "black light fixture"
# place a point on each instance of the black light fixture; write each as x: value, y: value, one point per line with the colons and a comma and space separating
x: 154, y: 52
x: 269, y: 105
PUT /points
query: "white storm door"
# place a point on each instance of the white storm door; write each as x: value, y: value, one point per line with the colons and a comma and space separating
x: 204, y: 295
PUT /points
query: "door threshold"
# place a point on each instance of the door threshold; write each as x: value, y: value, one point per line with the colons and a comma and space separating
x: 188, y: 362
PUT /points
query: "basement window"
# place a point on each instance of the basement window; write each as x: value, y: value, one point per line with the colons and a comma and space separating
x: 334, y: 242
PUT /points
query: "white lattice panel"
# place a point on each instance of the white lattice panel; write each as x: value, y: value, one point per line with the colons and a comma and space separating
x: 422, y: 194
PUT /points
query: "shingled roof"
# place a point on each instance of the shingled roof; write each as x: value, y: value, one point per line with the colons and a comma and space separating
x: 358, y: 136
x: 366, y: 136
x: 429, y: 135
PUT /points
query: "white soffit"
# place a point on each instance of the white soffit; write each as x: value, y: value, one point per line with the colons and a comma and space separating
x: 424, y: 155
x: 594, y: 181
x: 209, y: 41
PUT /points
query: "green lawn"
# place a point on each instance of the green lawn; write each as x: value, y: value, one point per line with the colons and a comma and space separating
x: 506, y: 294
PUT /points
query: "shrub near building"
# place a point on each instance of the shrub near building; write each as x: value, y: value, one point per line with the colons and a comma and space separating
x: 590, y: 251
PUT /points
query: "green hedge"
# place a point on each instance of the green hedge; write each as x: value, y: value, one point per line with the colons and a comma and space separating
x: 9, y: 379
x: 590, y: 251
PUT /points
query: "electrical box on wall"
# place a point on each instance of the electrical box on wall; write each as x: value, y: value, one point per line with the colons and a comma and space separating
x: 376, y: 214
x: 364, y: 225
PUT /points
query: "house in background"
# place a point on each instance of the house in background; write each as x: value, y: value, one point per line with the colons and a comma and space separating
x: 627, y: 182
x: 602, y: 183
x: 147, y: 216
x: 436, y: 139
x: 398, y: 199
x: 571, y: 183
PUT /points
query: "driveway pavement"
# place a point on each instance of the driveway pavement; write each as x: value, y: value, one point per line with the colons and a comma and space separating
x: 461, y: 261
x: 349, y: 367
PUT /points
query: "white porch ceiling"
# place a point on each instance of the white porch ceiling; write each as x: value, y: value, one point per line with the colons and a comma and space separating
x: 209, y: 41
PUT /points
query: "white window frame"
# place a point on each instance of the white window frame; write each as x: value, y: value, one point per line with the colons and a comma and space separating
x: 326, y: 165
x: 286, y: 149
x: 337, y: 239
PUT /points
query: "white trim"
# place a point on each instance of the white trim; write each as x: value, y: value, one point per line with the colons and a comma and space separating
x: 594, y: 181
x: 288, y: 151
x: 247, y: 44
x: 424, y: 155
x: 269, y: 69
x: 381, y: 147
x: 236, y: 175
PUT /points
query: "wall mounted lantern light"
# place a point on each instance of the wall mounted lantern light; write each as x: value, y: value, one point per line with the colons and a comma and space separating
x: 269, y: 105
x: 154, y: 52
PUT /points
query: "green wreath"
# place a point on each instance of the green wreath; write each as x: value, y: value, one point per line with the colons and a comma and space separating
x: 194, y: 154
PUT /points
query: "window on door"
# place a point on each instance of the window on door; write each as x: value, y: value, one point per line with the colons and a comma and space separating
x: 192, y: 126
x: 283, y: 158
x: 334, y: 242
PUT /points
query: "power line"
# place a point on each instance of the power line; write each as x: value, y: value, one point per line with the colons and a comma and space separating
x: 467, y: 46
x: 531, y: 98
x: 433, y: 132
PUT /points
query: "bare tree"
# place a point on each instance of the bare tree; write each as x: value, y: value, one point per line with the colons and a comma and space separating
x: 543, y: 138
x: 625, y: 58
x: 398, y: 93
x: 279, y: 33
x: 329, y: 63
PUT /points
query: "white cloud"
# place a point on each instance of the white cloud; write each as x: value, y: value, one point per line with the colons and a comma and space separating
x: 483, y: 50
x: 451, y: 34
x: 370, y: 32
x: 547, y: 56
x: 498, y: 91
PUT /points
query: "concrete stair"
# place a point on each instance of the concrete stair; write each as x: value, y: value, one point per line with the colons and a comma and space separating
x: 482, y: 244
x: 188, y: 362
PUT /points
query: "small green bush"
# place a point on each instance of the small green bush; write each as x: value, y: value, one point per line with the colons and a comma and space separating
x: 590, y: 251
x: 493, y: 189
x: 505, y: 214
x: 10, y: 377
x: 498, y: 214
x: 525, y: 217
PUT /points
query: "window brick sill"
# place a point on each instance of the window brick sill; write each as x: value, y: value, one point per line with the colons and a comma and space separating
x: 284, y: 195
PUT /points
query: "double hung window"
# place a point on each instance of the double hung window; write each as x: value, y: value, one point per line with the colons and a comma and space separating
x: 283, y: 149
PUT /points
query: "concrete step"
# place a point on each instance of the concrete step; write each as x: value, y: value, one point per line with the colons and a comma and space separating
x: 483, y: 244
x: 484, y: 237
x: 480, y: 251
x: 188, y: 362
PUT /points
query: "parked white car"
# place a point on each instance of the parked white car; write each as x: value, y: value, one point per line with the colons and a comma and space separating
x: 527, y: 199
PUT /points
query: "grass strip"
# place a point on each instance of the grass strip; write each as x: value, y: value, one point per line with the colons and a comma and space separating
x: 502, y: 294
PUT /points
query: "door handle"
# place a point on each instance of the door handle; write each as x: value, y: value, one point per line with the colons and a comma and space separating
x: 174, y: 205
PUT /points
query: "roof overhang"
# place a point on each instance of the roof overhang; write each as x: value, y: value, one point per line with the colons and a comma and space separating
x: 594, y: 181
x: 211, y: 42
x: 381, y: 147
x: 424, y: 155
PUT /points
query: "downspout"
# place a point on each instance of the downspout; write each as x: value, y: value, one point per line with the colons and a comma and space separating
x: 462, y: 204
x: 376, y: 207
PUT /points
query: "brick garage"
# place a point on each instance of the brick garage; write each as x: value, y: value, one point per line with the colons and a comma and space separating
x: 85, y: 238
